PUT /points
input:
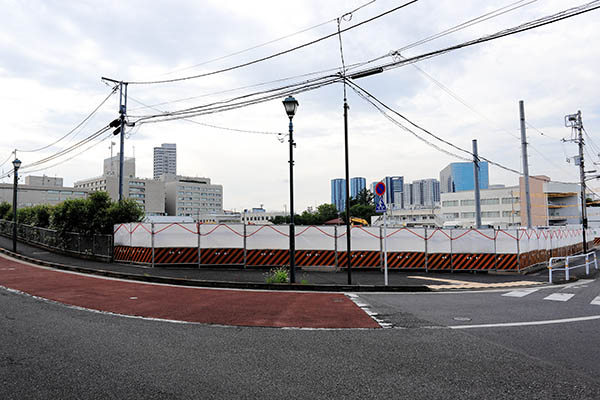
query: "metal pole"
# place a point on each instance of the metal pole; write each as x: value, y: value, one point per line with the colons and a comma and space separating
x: 123, y: 112
x: 292, y: 228
x: 525, y: 163
x: 385, y: 262
x: 584, y: 221
x: 348, y: 234
x: 152, y: 240
x: 476, y: 184
x: 14, y: 244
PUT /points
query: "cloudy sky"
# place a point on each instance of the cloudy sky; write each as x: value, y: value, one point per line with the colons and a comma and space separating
x: 53, y: 54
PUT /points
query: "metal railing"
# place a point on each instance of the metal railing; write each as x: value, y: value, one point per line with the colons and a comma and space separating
x: 568, y: 264
x: 95, y: 246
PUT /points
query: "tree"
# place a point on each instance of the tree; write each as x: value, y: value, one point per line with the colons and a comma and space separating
x: 326, y: 212
x: 5, y: 209
x: 121, y: 212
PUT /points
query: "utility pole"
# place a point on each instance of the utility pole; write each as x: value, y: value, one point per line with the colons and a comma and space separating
x: 123, y: 112
x: 574, y: 121
x: 476, y: 184
x: 525, y: 163
x: 348, y: 227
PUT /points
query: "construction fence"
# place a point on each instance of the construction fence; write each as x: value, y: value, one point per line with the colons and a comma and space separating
x: 325, y: 246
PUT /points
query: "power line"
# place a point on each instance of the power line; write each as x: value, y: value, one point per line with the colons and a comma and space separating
x: 354, y: 85
x: 258, y: 60
x: 76, y: 127
x: 267, y: 43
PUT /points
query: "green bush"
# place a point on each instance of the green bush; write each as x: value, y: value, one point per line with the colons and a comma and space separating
x: 278, y: 275
x: 5, y: 210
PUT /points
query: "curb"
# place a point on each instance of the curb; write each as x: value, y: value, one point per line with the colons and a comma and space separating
x: 221, y: 284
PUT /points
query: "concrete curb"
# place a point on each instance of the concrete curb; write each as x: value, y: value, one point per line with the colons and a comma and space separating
x: 221, y: 284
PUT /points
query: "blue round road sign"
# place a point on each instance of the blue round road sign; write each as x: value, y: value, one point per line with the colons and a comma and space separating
x: 380, y: 188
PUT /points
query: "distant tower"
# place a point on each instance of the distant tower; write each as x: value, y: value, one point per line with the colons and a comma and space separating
x: 165, y: 160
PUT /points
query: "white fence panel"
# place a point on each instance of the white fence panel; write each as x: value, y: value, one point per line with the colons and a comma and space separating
x: 175, y: 235
x: 363, y: 238
x: 221, y: 236
x: 506, y: 242
x: 267, y: 237
x: 141, y: 236
x: 473, y: 241
x: 315, y: 238
x: 438, y: 241
x: 121, y: 235
x: 406, y: 239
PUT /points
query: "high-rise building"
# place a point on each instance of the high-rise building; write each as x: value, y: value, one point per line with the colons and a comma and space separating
x: 408, y: 195
x: 191, y: 196
x: 394, y: 186
x: 357, y: 184
x: 426, y: 192
x: 165, y: 160
x: 459, y: 176
x: 338, y: 193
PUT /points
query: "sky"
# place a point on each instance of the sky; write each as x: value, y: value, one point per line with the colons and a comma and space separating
x: 54, y: 53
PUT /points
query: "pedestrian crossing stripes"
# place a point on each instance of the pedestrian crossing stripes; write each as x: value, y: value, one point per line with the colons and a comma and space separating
x: 596, y: 301
x: 520, y: 292
x: 560, y: 296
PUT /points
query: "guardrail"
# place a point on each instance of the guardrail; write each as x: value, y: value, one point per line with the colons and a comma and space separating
x: 568, y: 265
x: 95, y: 246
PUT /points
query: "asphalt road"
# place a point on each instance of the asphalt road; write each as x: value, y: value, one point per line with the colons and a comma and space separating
x: 49, y: 350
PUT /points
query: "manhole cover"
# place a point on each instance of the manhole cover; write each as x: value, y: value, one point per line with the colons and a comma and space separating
x: 462, y: 318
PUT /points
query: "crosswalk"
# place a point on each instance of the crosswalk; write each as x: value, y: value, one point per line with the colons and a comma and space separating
x: 561, y: 296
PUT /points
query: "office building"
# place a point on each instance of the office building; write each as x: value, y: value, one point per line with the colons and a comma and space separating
x: 459, y: 176
x: 148, y: 193
x: 408, y: 195
x: 426, y: 192
x: 394, y: 187
x: 165, y: 160
x: 191, y: 196
x: 338, y: 193
x: 39, y: 190
x: 357, y: 184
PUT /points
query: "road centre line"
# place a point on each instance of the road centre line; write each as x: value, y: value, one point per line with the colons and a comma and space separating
x: 527, y: 323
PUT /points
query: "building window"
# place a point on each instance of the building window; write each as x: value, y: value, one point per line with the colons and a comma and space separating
x: 467, y: 215
x: 467, y: 202
x: 490, y: 214
x: 450, y: 203
x: 510, y: 200
x: 451, y: 215
x: 490, y: 202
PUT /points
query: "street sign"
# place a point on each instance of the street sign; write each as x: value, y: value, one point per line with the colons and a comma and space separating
x: 380, y: 206
x: 380, y: 188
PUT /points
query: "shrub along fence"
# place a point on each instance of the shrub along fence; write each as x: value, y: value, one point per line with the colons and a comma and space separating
x: 407, y: 248
x: 96, y: 246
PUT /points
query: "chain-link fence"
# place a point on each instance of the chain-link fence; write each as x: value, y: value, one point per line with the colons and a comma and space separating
x: 97, y: 246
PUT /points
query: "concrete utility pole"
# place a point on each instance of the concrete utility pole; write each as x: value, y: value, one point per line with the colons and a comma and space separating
x: 123, y: 112
x: 574, y: 121
x: 476, y: 184
x: 525, y: 163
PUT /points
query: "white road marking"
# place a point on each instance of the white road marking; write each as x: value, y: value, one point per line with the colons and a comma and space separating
x: 559, y: 296
x: 596, y: 301
x: 528, y: 323
x: 520, y: 292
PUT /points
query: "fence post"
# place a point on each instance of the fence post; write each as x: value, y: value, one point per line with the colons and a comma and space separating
x: 199, y: 229
x: 495, y: 249
x: 79, y: 243
x: 518, y: 252
x: 152, y: 241
x: 451, y: 251
x: 426, y: 254
x: 335, y: 247
x: 245, y: 245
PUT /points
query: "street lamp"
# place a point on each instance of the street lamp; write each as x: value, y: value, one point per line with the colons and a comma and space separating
x: 291, y: 105
x: 16, y: 165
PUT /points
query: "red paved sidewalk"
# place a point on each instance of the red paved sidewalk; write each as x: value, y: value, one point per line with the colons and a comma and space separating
x: 225, y: 307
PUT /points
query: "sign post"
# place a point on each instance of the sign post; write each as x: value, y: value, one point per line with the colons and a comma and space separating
x: 381, y: 208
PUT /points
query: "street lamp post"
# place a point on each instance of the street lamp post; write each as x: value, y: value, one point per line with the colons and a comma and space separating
x: 17, y: 165
x: 291, y: 105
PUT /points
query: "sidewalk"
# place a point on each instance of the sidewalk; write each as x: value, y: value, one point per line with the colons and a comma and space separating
x: 255, y: 278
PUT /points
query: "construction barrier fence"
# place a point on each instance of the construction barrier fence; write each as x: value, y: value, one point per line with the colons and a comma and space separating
x: 325, y: 246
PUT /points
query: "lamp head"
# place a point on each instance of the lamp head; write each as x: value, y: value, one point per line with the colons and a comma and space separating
x: 290, y: 105
x: 17, y: 163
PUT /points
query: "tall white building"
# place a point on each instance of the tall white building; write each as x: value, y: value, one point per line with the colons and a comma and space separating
x: 192, y: 197
x: 165, y: 160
